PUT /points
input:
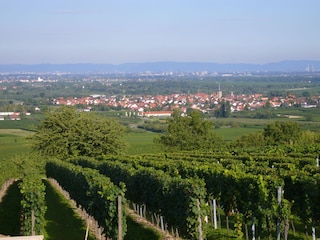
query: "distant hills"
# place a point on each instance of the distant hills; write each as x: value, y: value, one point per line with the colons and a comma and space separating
x: 157, y: 67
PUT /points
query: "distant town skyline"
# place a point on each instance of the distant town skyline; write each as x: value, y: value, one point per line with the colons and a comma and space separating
x: 115, y: 32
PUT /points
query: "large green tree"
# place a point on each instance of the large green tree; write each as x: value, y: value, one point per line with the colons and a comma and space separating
x: 190, y: 132
x: 286, y: 132
x: 67, y: 132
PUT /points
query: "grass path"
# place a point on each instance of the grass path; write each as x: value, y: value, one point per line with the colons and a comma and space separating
x: 61, y: 221
x: 140, y: 229
x: 10, y: 211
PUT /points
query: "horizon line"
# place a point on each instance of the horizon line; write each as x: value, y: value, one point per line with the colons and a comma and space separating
x: 165, y: 61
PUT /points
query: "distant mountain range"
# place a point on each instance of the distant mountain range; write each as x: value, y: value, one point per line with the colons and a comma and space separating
x: 157, y: 67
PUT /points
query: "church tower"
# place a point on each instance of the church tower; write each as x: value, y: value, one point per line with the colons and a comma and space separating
x: 219, y: 92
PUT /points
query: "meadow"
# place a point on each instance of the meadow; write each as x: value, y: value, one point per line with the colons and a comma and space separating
x: 142, y: 143
x: 13, y: 145
x: 230, y: 134
x: 13, y: 142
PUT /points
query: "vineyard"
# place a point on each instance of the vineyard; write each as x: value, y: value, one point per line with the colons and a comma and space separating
x: 185, y: 193
x: 270, y: 194
x: 188, y: 194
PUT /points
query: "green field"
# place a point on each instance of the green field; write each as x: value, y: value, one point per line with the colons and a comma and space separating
x: 230, y: 134
x: 13, y: 146
x: 26, y: 124
x: 142, y: 143
x: 13, y: 142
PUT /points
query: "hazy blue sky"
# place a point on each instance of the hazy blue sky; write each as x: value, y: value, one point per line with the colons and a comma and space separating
x: 120, y: 31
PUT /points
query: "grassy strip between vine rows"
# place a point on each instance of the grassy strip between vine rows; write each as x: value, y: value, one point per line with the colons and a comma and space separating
x: 10, y: 209
x: 93, y: 191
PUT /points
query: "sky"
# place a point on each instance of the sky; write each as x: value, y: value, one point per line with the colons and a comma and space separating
x: 123, y: 31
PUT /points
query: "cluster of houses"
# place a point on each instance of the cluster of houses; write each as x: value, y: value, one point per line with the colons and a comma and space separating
x: 163, y: 105
x: 10, y: 116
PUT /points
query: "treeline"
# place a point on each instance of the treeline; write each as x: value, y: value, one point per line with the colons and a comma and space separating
x: 193, y: 132
x: 84, y: 85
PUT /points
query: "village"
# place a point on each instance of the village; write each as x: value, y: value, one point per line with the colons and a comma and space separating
x: 160, y: 105
x: 163, y: 105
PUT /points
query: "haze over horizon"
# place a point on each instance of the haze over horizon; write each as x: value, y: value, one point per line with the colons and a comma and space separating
x: 116, y: 32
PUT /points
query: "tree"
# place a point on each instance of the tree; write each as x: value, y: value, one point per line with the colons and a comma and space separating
x: 67, y: 132
x: 278, y: 133
x: 249, y: 140
x: 224, y: 110
x: 189, y: 132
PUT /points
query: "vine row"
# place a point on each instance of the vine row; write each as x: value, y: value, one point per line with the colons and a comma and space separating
x: 94, y: 192
x: 244, y: 186
x: 180, y: 201
x: 33, y: 205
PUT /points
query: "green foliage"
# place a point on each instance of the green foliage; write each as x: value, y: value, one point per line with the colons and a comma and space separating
x: 238, y: 227
x: 66, y: 132
x: 279, y: 138
x: 308, y: 137
x: 264, y: 114
x: 245, y: 184
x: 224, y: 110
x: 171, y: 197
x: 33, y: 205
x: 278, y: 133
x: 93, y: 191
x: 250, y: 140
x: 153, y: 126
x: 189, y: 132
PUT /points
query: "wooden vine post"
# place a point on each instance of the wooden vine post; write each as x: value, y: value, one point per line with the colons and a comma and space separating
x: 200, y: 221
x: 119, y: 217
x: 32, y: 223
x: 278, y: 221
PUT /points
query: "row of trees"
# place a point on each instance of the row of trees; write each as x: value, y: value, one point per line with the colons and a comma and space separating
x: 68, y: 84
x: 67, y: 132
x: 192, y: 132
